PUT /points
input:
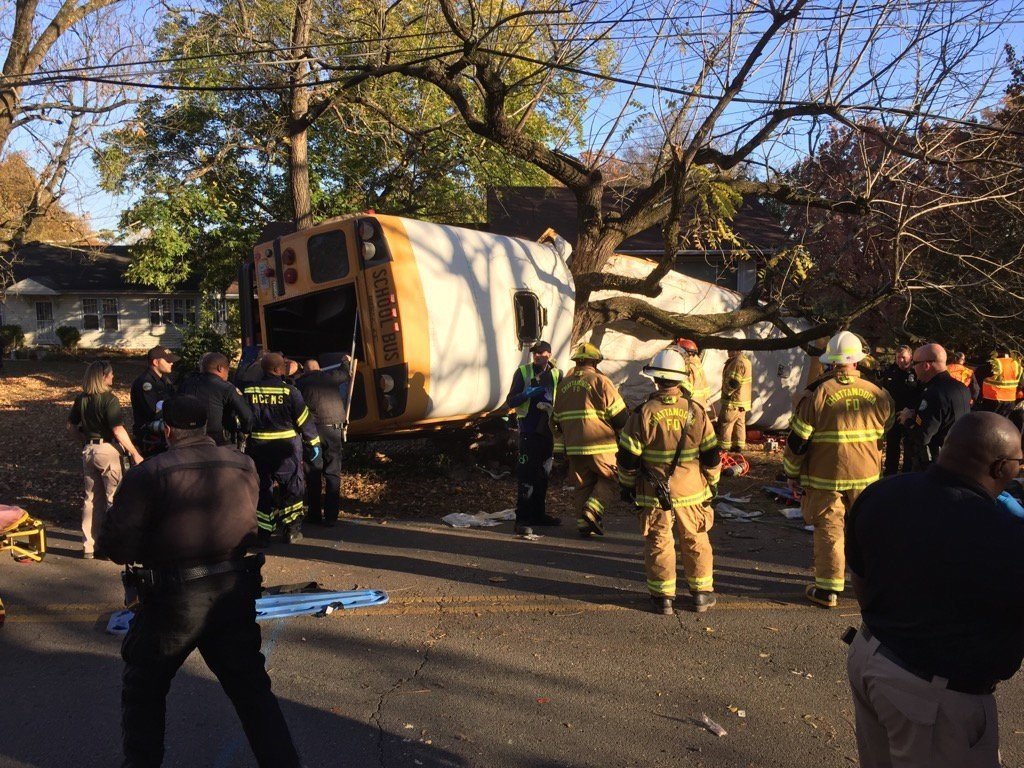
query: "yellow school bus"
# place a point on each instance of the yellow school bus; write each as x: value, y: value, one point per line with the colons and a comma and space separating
x: 438, y: 317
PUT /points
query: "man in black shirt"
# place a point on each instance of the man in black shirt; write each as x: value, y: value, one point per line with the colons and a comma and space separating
x: 187, y: 516
x: 149, y: 391
x: 227, y: 412
x: 943, y: 401
x: 939, y: 576
x: 326, y: 395
x: 900, y: 381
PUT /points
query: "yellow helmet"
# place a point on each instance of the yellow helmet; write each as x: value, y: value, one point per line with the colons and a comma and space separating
x: 586, y: 351
x: 844, y: 347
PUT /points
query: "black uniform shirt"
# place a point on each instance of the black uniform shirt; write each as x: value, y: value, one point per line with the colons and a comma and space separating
x: 943, y: 575
x: 902, y: 385
x: 227, y: 411
x: 326, y: 393
x: 195, y: 503
x: 148, y: 390
x: 943, y: 401
x: 96, y: 415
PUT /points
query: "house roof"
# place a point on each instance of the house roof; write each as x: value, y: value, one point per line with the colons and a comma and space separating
x: 528, y: 211
x: 48, y: 270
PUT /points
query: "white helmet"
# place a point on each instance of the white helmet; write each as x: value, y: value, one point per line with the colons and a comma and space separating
x: 668, y: 365
x: 844, y: 347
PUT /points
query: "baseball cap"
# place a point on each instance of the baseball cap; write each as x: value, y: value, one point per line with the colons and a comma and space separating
x: 185, y: 412
x: 540, y: 347
x: 162, y: 353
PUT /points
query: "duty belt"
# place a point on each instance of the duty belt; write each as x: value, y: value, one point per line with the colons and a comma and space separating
x: 95, y: 441
x: 175, y: 577
x: 959, y: 686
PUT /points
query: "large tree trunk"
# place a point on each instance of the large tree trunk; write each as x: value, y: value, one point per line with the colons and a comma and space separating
x: 9, y: 101
x: 298, y: 127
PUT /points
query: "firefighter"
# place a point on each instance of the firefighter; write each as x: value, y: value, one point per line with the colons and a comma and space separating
x: 586, y: 416
x: 736, y: 393
x: 834, y: 452
x: 532, y: 395
x: 279, y: 417
x: 696, y: 379
x: 1000, y: 379
x: 669, y: 466
x: 148, y: 393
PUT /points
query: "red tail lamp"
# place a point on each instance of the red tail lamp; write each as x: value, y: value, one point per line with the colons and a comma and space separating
x: 291, y: 275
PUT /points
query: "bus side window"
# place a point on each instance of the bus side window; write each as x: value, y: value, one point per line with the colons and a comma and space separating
x: 531, y: 317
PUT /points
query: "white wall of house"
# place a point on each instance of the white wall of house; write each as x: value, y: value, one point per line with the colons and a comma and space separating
x: 135, y: 328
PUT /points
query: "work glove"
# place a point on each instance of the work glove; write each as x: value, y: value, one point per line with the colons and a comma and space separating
x: 713, y: 487
x: 627, y: 494
x: 534, y: 392
x: 314, y: 456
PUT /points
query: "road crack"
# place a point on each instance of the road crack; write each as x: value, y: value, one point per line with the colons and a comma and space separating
x: 434, y: 636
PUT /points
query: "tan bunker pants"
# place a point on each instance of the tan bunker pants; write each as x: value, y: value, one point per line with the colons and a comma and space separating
x: 826, y: 511
x: 597, y: 486
x: 692, y: 524
x: 732, y: 429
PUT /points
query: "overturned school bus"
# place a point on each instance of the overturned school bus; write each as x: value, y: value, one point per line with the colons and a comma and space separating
x: 435, y: 317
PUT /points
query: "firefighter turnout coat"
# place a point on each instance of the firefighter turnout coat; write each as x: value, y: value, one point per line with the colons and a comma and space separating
x: 698, y: 380
x: 669, y: 421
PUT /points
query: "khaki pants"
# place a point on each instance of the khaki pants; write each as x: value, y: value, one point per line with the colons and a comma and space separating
x: 692, y: 524
x: 826, y: 511
x: 732, y: 429
x: 101, y: 465
x: 597, y: 486
x: 906, y: 722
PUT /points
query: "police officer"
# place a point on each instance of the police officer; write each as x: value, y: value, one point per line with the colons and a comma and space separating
x: 280, y: 415
x: 943, y: 401
x: 326, y: 393
x: 187, y: 516
x: 148, y: 393
x: 900, y: 380
x: 587, y: 416
x: 532, y: 395
x: 832, y: 454
x: 228, y: 415
x: 669, y: 465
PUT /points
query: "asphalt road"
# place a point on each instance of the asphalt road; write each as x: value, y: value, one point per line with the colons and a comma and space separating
x: 494, y: 651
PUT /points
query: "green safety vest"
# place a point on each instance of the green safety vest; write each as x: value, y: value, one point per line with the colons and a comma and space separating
x: 526, y: 371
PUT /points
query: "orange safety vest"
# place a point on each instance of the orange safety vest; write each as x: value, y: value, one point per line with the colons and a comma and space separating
x: 961, y: 373
x: 1002, y: 386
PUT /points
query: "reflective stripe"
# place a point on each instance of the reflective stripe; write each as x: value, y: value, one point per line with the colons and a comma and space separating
x: 709, y: 442
x: 627, y: 477
x: 631, y: 444
x: 730, y: 403
x: 833, y: 585
x: 559, y: 445
x: 849, y: 436
x: 315, y: 441
x: 587, y: 413
x: 665, y: 588
x: 703, y: 584
x: 290, y: 513
x: 615, y: 408
x: 526, y: 371
x: 791, y: 468
x: 831, y: 484
x: 267, y: 390
x: 800, y: 428
x: 284, y: 434
x: 677, y: 502
x: 303, y: 417
x: 665, y: 457
x: 595, y: 505
x: 591, y: 450
x: 713, y: 474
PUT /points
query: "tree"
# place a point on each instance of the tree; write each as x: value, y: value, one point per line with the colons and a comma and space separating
x: 736, y: 88
x: 48, y: 100
x: 947, y: 235
x: 261, y: 127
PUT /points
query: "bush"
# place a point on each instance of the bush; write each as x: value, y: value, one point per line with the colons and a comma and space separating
x: 12, y: 337
x: 69, y: 336
x: 196, y: 342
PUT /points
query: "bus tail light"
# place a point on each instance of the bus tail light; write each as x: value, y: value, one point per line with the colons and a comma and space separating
x: 291, y: 276
x: 373, y: 247
x: 392, y: 390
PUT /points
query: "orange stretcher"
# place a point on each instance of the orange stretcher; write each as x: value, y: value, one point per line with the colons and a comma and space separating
x: 22, y: 534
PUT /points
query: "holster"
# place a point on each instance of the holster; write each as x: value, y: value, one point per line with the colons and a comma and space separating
x: 661, y: 490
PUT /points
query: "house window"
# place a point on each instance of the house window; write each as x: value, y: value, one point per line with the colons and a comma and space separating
x: 109, y: 314
x: 179, y: 312
x: 99, y: 313
x: 90, y: 315
x: 44, y: 317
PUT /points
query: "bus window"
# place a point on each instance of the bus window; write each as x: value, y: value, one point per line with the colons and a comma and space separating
x: 314, y: 324
x: 358, y: 408
x: 328, y: 256
x: 531, y: 317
